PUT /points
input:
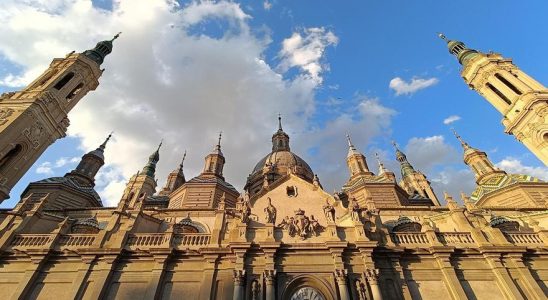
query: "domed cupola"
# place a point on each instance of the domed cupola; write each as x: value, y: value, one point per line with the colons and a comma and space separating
x: 281, y: 161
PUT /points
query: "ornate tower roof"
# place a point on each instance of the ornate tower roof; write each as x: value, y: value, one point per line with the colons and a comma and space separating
x: 90, y: 164
x: 150, y: 168
x: 406, y: 167
x: 459, y: 49
x: 101, y: 50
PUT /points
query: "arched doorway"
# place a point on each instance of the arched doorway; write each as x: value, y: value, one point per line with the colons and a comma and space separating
x: 308, y: 287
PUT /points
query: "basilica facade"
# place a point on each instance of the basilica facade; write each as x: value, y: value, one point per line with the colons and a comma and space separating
x: 283, y: 236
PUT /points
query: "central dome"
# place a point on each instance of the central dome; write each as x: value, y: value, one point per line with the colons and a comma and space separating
x: 283, y: 160
x: 280, y: 162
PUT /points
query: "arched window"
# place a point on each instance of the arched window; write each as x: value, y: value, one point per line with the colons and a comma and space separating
x: 499, y: 93
x: 8, y: 158
x: 508, y: 84
x: 75, y: 91
x: 61, y: 83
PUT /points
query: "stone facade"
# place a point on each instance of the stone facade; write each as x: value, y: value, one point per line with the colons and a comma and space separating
x: 283, y: 237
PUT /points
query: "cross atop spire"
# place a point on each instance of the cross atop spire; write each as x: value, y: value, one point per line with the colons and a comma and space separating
x: 351, y: 149
x: 219, y: 141
x: 280, y: 122
x: 462, y: 142
x: 382, y: 169
x: 104, y: 144
x: 183, y: 161
x: 459, y: 49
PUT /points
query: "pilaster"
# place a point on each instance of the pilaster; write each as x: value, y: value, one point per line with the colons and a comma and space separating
x: 26, y: 284
x: 153, y: 290
x: 532, y: 288
x: 79, y: 280
x: 449, y: 276
x: 102, y: 274
x: 210, y: 267
x: 503, y: 278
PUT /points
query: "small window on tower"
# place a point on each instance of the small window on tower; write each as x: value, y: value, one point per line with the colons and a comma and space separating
x: 291, y: 191
x: 61, y: 83
x: 75, y: 91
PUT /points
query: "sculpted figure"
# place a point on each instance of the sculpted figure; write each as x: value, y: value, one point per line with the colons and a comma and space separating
x: 360, y: 290
x: 355, y: 213
x: 270, y: 212
x: 329, y: 211
x: 245, y: 210
x: 315, y: 227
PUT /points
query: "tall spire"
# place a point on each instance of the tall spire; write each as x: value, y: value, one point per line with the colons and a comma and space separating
x: 90, y: 164
x: 217, y: 149
x: 150, y: 167
x: 382, y: 169
x: 459, y: 49
x: 406, y: 167
x: 351, y: 149
x: 101, y: 50
x: 464, y: 144
x: 182, y: 162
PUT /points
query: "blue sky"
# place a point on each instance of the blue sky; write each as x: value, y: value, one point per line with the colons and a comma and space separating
x: 360, y: 47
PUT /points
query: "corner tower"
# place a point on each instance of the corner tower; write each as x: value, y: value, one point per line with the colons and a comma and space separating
x: 521, y: 100
x: 35, y: 117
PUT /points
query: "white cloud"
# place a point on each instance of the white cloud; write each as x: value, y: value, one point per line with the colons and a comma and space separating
x: 267, y: 5
x: 515, y: 166
x: 451, y: 119
x: 402, y: 87
x: 55, y: 168
x: 305, y: 50
x: 167, y: 78
x: 426, y: 152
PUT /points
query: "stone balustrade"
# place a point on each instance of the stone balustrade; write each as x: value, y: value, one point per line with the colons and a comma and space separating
x: 32, y: 241
x: 189, y: 240
x: 76, y: 240
x: 148, y: 240
x: 524, y: 238
x: 409, y: 238
x: 457, y: 239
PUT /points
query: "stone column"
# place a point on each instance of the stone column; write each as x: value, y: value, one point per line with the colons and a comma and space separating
x: 270, y: 288
x: 400, y: 279
x: 503, y: 278
x: 372, y: 276
x: 155, y: 280
x: 26, y: 283
x: 81, y: 277
x: 450, y: 277
x: 239, y: 280
x: 103, y: 270
x: 532, y: 287
x: 340, y: 276
x: 210, y: 266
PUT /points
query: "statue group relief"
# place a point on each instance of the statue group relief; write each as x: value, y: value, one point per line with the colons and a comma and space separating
x: 301, y: 225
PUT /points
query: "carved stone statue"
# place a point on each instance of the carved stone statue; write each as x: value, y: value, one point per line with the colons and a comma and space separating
x: 355, y: 210
x: 301, y: 225
x: 245, y: 209
x: 329, y: 211
x: 360, y: 290
x: 315, y: 227
x: 270, y: 212
x: 255, y: 290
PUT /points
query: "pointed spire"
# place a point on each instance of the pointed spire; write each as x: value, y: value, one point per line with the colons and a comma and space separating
x: 382, y: 169
x: 405, y: 166
x: 104, y: 144
x: 351, y: 149
x: 101, y: 50
x: 182, y: 162
x: 459, y: 49
x: 280, y: 122
x: 150, y: 168
x: 280, y: 139
x: 464, y: 144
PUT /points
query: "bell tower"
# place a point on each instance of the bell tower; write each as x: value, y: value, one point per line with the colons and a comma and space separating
x: 521, y: 100
x: 35, y: 117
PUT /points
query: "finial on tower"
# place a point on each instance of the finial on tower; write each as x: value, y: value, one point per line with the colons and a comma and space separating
x: 349, y: 140
x: 183, y: 161
x: 442, y: 36
x: 280, y: 122
x: 219, y: 141
x: 160, y: 145
x: 103, y: 145
x: 115, y: 36
x: 462, y: 142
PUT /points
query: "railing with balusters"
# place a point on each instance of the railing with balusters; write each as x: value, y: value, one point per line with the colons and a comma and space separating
x: 188, y: 240
x: 523, y: 238
x: 76, y: 240
x: 26, y: 241
x: 409, y: 238
x: 147, y: 240
x: 456, y: 238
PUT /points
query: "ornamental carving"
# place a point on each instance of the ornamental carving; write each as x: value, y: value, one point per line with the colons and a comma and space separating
x: 5, y: 113
x: 270, y: 213
x: 361, y: 290
x: 239, y: 277
x: 372, y: 275
x: 329, y: 211
x: 35, y: 133
x: 301, y: 225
